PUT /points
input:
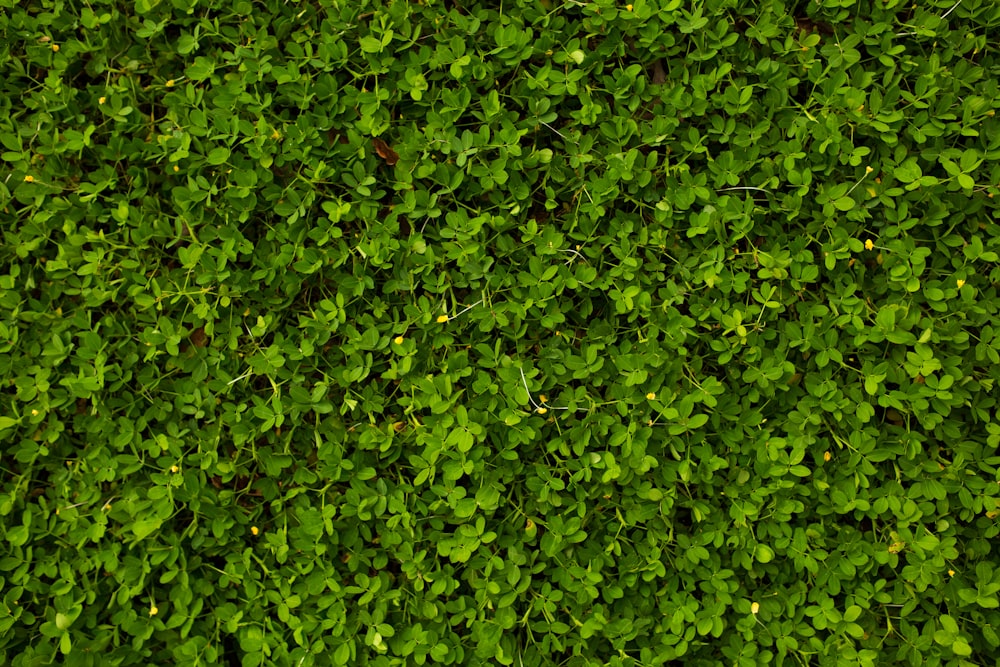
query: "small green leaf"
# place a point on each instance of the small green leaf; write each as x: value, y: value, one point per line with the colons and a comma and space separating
x: 844, y: 203
x: 143, y: 528
x: 371, y: 45
x: 217, y: 155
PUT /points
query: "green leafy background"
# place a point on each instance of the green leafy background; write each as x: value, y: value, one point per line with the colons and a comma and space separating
x: 670, y: 335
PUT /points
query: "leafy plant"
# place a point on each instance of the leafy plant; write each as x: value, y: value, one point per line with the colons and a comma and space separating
x: 547, y: 333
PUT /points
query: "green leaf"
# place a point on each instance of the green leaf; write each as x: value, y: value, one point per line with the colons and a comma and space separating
x: 764, y: 553
x: 844, y: 203
x: 371, y: 45
x: 961, y: 648
x: 342, y: 654
x: 143, y: 528
x: 217, y: 155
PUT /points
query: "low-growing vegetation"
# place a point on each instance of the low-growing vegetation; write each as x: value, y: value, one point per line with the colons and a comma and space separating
x: 507, y: 333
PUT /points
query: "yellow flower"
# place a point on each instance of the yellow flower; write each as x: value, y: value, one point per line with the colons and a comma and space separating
x: 959, y: 282
x: 650, y: 396
x: 541, y: 411
x: 29, y: 179
x: 255, y: 530
x: 398, y: 340
x: 175, y: 469
x: 170, y: 83
x: 102, y: 100
x: 442, y: 319
x: 754, y: 608
x: 55, y: 48
x: 628, y: 8
x: 176, y: 168
x: 827, y: 456
x: 543, y: 398
x: 153, y: 611
x: 869, y: 244
x: 951, y: 573
x: 868, y: 170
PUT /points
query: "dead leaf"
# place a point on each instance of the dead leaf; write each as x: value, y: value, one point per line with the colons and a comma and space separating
x: 659, y: 74
x: 385, y: 152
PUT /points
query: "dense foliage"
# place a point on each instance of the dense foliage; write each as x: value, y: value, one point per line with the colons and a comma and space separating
x: 566, y: 332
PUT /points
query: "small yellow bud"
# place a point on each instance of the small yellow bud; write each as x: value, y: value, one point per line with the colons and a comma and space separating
x: 170, y: 83
x: 869, y: 244
x: 153, y: 611
x: 755, y: 608
x: 55, y: 48
x: 868, y: 170
x: 951, y: 573
x: 959, y: 282
x: 541, y: 411
x: 543, y: 398
x: 628, y: 8
x: 650, y: 396
x: 827, y: 456
x: 102, y: 100
x: 254, y: 530
x: 176, y: 168
x: 34, y: 413
x: 442, y: 319
x: 29, y: 179
x: 398, y: 340
x: 175, y: 469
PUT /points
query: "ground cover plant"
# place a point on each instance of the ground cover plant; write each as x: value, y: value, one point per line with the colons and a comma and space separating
x: 520, y: 333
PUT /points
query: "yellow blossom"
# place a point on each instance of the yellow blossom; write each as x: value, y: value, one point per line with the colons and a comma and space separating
x: 176, y: 168
x: 170, y: 83
x: 959, y: 282
x: 29, y: 179
x: 869, y: 244
x: 827, y: 456
x: 153, y: 611
x: 868, y: 170
x: 650, y: 396
x: 541, y: 411
x: 543, y: 398
x: 254, y: 530
x: 102, y: 100
x: 755, y: 608
x: 951, y: 573
x: 55, y: 48
x: 398, y: 340
x: 442, y: 319
x: 175, y: 469
x: 628, y: 8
